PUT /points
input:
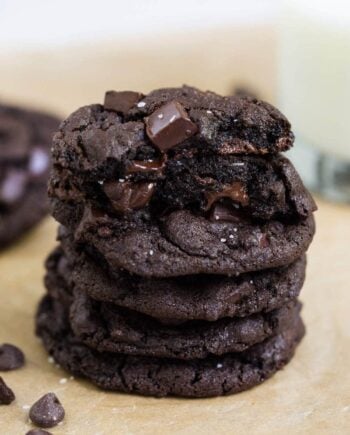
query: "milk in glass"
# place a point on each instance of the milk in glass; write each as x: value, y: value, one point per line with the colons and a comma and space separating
x: 314, y: 90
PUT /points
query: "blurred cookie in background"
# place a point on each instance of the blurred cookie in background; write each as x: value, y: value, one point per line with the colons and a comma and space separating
x: 25, y: 141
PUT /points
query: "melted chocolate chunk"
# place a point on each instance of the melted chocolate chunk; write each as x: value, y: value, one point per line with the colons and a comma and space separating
x: 145, y: 166
x: 169, y: 125
x: 235, y: 191
x: 6, y: 394
x: 11, y: 357
x: 224, y: 213
x: 47, y: 411
x: 127, y: 196
x: 121, y: 101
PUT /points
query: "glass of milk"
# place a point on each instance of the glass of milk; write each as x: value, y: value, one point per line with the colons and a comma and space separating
x: 314, y: 91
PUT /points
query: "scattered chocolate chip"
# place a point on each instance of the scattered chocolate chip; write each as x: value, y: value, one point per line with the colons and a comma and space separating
x: 47, y: 411
x: 145, y: 166
x: 224, y: 213
x: 11, y: 357
x: 39, y: 162
x: 6, y: 394
x: 121, y: 101
x: 127, y: 196
x: 235, y: 191
x: 12, y: 186
x: 38, y: 432
x: 169, y: 126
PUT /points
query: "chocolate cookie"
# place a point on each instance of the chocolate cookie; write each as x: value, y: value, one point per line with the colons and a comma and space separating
x: 179, y: 149
x: 106, y: 327
x: 166, y: 120
x: 221, y: 188
x: 25, y: 141
x: 213, y: 376
x: 186, y: 244
x: 196, y: 297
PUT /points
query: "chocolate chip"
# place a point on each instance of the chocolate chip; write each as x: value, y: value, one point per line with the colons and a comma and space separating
x: 140, y: 166
x: 6, y: 394
x: 127, y: 196
x: 47, y: 411
x: 121, y: 101
x: 221, y: 212
x: 12, y: 186
x: 11, y: 357
x: 235, y: 191
x: 169, y: 126
x: 38, y: 432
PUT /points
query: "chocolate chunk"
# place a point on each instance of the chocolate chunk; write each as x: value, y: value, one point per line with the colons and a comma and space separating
x: 127, y: 196
x: 235, y: 191
x: 38, y: 432
x: 225, y: 213
x: 12, y: 186
x: 47, y: 411
x: 169, y: 126
x: 6, y: 394
x: 11, y: 357
x: 145, y: 166
x: 39, y: 162
x: 121, y: 101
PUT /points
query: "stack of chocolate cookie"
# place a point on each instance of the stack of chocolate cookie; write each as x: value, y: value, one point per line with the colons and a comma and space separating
x: 182, y: 245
